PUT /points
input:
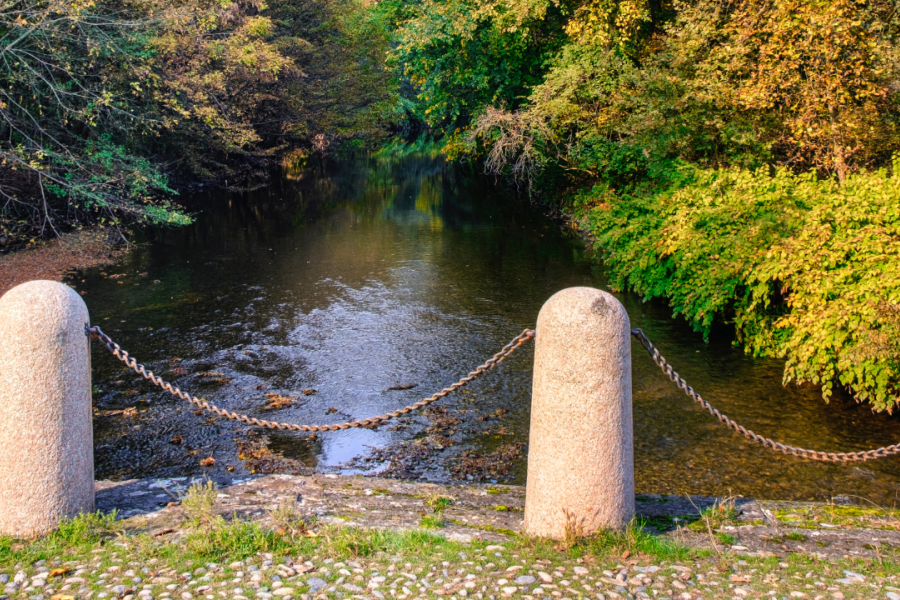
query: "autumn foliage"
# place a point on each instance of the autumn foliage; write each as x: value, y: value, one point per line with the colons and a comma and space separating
x: 736, y: 157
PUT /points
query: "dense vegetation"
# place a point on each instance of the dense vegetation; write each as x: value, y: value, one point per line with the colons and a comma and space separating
x: 736, y: 157
x: 102, y: 101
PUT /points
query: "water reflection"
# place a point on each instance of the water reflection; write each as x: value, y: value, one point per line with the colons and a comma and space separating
x: 369, y: 273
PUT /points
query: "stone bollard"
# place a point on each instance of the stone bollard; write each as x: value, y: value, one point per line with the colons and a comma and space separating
x: 46, y: 438
x: 580, y: 450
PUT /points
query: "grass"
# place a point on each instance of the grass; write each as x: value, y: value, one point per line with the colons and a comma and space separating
x: 81, y: 534
x: 432, y: 522
x: 236, y: 541
x: 635, y: 541
x: 870, y: 517
x: 715, y: 517
x: 726, y: 539
x: 213, y: 539
x: 439, y: 503
x: 200, y: 502
x: 223, y: 540
x: 288, y: 520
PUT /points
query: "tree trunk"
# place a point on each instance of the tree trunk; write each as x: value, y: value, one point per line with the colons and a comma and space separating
x: 840, y: 162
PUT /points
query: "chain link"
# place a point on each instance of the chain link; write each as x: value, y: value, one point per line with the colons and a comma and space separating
x: 515, y: 344
x: 834, y: 457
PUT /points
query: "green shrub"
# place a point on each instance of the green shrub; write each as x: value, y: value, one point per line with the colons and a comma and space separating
x: 805, y: 268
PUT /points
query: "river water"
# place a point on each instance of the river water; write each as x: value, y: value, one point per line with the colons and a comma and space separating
x: 363, y: 274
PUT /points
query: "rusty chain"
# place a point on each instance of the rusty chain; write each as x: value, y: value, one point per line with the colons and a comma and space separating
x: 834, y: 457
x: 515, y: 344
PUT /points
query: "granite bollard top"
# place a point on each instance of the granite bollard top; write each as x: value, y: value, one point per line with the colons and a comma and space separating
x: 45, y: 408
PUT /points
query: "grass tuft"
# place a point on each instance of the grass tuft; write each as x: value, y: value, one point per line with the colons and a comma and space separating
x: 718, y: 515
x: 200, y: 502
x: 432, y: 521
x: 288, y: 520
x: 235, y: 540
x: 439, y: 503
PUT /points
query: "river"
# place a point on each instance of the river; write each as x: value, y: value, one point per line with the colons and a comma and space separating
x: 366, y: 273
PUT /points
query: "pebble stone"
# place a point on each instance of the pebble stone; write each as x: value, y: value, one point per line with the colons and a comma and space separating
x: 478, y: 576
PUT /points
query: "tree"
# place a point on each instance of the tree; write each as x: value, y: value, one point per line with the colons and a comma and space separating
x: 101, y: 100
x: 460, y: 55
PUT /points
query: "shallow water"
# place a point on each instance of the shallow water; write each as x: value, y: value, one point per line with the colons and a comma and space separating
x: 369, y: 273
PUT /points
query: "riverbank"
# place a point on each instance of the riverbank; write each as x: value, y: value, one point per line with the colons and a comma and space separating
x: 493, y: 513
x: 369, y: 538
x: 57, y: 258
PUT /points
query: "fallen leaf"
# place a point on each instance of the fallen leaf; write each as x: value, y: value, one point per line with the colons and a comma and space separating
x: 331, y: 411
x: 229, y: 468
x: 58, y: 571
x: 626, y: 554
x: 176, y: 440
x: 208, y: 462
x: 309, y: 392
x: 277, y: 401
x: 402, y: 386
x: 163, y: 532
x: 61, y: 597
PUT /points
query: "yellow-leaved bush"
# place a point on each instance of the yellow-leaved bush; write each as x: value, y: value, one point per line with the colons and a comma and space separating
x: 806, y: 268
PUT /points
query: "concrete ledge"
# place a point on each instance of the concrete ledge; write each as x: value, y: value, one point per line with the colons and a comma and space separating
x: 495, y: 513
